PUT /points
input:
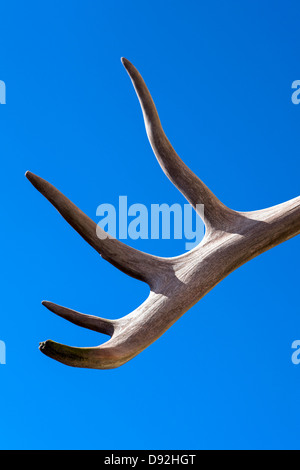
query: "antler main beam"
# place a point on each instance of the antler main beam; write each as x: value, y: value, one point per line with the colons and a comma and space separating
x: 232, y: 238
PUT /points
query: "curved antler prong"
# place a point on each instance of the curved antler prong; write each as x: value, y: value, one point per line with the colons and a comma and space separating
x: 194, y: 190
x: 101, y: 325
x: 135, y: 263
x: 99, y: 357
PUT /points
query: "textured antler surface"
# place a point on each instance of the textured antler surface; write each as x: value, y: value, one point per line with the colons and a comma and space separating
x: 232, y: 238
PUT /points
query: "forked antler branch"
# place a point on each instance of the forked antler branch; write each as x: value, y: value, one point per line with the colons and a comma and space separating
x: 232, y: 238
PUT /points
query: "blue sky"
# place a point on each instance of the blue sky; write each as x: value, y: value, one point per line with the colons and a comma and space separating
x: 220, y: 74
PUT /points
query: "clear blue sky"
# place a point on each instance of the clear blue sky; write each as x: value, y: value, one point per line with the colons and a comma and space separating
x: 221, y: 74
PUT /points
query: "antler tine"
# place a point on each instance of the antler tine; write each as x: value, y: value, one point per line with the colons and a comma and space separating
x: 135, y: 263
x: 194, y: 190
x: 99, y: 357
x: 91, y: 322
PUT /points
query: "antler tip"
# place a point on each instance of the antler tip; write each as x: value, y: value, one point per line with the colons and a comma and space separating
x: 127, y: 64
x: 42, y: 345
x: 34, y: 179
x: 53, y: 350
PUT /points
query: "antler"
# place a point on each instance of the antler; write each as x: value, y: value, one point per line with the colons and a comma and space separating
x: 232, y: 238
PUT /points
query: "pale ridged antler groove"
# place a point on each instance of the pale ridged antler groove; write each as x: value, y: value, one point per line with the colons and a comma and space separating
x: 232, y: 238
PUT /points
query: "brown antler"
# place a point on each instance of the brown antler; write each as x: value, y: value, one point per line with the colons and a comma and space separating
x: 232, y: 238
